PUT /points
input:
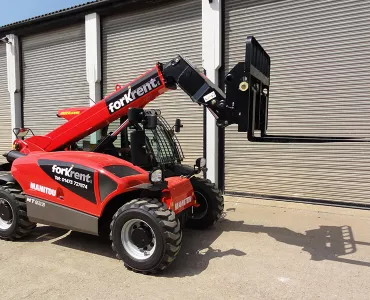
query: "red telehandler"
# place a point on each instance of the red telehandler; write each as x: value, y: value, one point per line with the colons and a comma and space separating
x: 142, y: 202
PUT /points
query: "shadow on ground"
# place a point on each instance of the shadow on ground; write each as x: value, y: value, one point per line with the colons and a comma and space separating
x: 323, y: 243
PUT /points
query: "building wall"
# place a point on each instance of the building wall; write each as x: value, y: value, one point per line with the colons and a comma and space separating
x: 5, y: 120
x: 54, y: 76
x: 320, y: 85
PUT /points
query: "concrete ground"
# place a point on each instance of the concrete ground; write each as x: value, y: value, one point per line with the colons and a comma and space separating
x: 260, y: 250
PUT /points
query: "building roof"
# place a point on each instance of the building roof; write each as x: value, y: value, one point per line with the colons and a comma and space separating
x: 54, y: 13
x: 68, y: 15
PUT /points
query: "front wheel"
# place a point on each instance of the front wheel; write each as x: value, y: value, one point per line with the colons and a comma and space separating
x: 14, y: 223
x: 210, y: 204
x: 146, y: 235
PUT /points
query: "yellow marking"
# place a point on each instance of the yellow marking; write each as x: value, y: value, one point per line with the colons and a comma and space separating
x: 63, y: 113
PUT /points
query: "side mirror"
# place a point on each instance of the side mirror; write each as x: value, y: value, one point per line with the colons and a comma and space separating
x: 178, y: 125
x: 21, y: 132
x: 200, y: 162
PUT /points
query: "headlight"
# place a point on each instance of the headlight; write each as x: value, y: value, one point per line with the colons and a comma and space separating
x: 156, y: 176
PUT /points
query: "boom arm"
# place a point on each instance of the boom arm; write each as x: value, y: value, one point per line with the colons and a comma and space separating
x: 241, y: 105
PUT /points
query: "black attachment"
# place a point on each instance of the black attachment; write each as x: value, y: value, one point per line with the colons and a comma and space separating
x: 148, y: 118
x: 139, y: 155
x: 135, y: 115
x: 200, y: 89
x: 244, y: 104
x: 247, y: 86
x: 6, y: 177
x: 107, y: 140
x: 254, y: 84
x: 247, y: 95
x: 150, y: 122
x: 13, y: 155
x: 178, y: 125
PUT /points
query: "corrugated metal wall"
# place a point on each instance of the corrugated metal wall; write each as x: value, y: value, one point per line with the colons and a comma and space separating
x: 5, y: 118
x: 135, y: 41
x: 54, y: 76
x: 320, y: 86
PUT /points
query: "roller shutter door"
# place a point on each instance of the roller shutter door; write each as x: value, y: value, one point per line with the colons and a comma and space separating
x: 5, y: 118
x: 320, y: 85
x: 54, y: 74
x: 133, y: 42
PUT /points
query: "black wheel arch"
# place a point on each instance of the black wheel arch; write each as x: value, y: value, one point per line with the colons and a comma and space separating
x: 7, y: 178
x: 116, y: 202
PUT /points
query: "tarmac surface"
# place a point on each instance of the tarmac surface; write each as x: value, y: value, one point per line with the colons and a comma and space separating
x: 261, y: 249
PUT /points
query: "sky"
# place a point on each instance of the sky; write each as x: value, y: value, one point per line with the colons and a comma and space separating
x: 17, y: 10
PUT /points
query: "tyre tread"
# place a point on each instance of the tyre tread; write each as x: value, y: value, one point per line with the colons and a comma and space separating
x: 217, y: 205
x: 169, y: 224
x: 24, y: 225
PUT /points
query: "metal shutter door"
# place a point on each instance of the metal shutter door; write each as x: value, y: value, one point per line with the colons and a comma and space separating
x: 135, y: 41
x: 320, y: 86
x: 54, y: 74
x: 5, y: 118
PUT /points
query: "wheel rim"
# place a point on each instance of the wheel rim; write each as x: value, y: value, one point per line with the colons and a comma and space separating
x: 6, y: 214
x: 138, y: 239
x: 200, y: 211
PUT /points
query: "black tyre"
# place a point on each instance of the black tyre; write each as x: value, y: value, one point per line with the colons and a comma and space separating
x: 14, y: 223
x: 146, y: 235
x: 210, y: 201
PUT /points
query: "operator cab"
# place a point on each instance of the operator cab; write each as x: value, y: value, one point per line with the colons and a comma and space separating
x: 145, y: 145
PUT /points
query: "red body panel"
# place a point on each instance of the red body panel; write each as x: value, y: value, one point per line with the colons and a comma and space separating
x: 180, y: 194
x: 22, y: 168
x: 34, y: 143
x: 28, y: 173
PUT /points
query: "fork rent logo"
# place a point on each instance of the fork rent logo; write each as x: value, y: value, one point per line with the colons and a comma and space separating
x: 133, y: 92
x: 68, y: 172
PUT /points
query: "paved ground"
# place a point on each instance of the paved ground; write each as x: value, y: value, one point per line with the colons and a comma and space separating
x: 260, y: 250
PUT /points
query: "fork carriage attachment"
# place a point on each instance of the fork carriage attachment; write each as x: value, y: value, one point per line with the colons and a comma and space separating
x: 247, y: 94
x: 247, y: 86
x: 247, y: 89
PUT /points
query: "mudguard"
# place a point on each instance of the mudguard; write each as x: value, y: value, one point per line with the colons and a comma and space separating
x: 6, y: 177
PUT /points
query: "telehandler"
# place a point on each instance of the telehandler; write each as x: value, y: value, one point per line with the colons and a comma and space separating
x: 143, y: 196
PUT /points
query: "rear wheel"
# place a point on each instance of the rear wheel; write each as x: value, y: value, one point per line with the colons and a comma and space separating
x: 14, y: 223
x: 146, y: 235
x: 210, y: 201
